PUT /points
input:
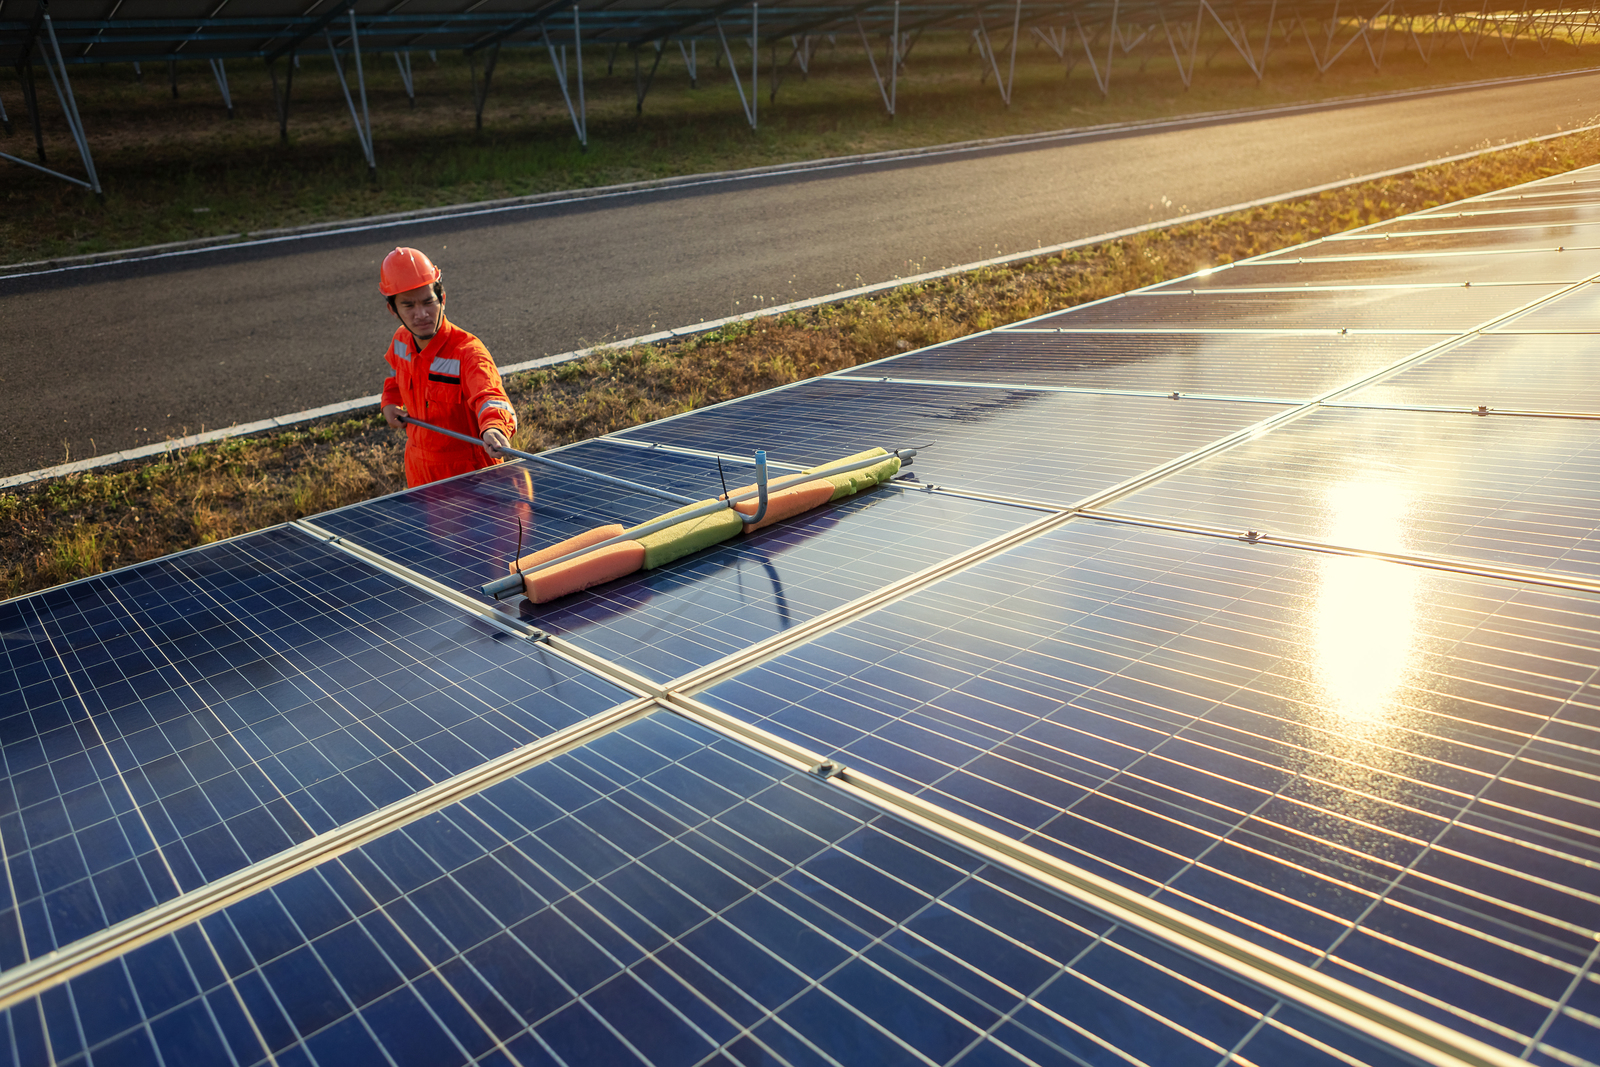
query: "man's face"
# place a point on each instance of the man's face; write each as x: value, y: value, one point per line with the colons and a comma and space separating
x: 420, y: 310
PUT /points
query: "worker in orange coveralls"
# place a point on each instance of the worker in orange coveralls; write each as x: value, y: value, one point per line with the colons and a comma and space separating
x: 442, y: 374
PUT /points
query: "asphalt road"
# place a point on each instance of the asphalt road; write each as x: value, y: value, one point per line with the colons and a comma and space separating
x: 110, y: 357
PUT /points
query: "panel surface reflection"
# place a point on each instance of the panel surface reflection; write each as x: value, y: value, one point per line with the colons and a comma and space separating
x: 1512, y: 492
x: 1376, y: 770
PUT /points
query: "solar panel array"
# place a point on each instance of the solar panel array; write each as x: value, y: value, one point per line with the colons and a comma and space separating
x: 1220, y: 685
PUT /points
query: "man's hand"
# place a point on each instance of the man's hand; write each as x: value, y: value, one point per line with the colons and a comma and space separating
x: 495, y: 443
x: 391, y: 414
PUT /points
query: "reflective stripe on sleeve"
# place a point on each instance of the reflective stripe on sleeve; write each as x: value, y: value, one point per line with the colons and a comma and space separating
x: 499, y: 405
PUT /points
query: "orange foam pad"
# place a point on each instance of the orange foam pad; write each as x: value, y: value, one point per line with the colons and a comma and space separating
x: 571, y: 544
x: 785, y: 503
x: 593, y: 568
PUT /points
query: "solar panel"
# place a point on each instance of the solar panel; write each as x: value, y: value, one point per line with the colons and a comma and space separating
x: 1387, y: 310
x: 1519, y: 493
x: 1284, y: 367
x: 1572, y: 312
x: 661, y: 896
x: 1543, y: 266
x: 1257, y: 736
x: 1127, y: 727
x: 1052, y: 447
x: 171, y: 724
x: 1500, y: 371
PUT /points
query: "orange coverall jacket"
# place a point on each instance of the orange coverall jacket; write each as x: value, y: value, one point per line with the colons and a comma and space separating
x: 453, y: 383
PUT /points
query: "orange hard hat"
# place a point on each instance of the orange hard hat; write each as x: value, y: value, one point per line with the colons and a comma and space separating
x: 405, y: 269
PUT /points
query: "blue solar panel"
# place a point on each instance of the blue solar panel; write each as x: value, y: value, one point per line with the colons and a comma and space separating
x: 1500, y: 371
x: 1504, y: 492
x: 174, y: 722
x: 1420, y: 310
x: 1382, y: 772
x: 1272, y: 367
x: 666, y: 622
x: 1052, y: 447
x: 661, y: 896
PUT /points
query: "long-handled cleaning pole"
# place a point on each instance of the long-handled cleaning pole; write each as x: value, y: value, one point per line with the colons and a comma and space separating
x: 512, y: 583
x: 622, y: 483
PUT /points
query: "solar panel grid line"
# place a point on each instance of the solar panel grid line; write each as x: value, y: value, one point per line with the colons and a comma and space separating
x: 174, y: 879
x: 1043, y: 388
x: 1418, y: 1037
x: 422, y: 582
x: 1245, y: 331
x: 35, y: 976
x: 1460, y: 409
x: 680, y: 450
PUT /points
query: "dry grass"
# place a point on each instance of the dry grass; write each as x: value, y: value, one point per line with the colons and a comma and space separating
x: 83, y: 524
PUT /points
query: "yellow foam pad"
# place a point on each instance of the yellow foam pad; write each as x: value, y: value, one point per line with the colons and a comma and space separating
x: 855, y: 481
x: 674, y: 542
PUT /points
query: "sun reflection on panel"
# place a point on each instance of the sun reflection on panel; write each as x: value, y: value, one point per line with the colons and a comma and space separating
x: 1366, y: 609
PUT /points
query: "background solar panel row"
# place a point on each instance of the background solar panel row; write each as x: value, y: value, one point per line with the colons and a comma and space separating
x: 1381, y: 771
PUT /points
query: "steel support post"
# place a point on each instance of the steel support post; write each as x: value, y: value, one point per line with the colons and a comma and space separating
x: 172, y: 76
x: 689, y: 62
x: 480, y: 94
x: 1016, y: 32
x: 749, y: 110
x: 894, y: 68
x: 62, y: 85
x: 363, y: 132
x: 580, y: 118
x: 138, y: 73
x: 283, y: 100
x: 886, y: 92
x: 5, y: 120
x: 221, y: 73
x: 641, y: 84
x: 402, y: 60
x: 30, y: 100
x: 1101, y: 79
x: 1241, y: 43
x: 1189, y: 37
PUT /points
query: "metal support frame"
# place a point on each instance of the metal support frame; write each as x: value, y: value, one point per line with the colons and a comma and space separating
x: 69, y: 107
x: 480, y: 94
x: 30, y: 100
x: 1189, y: 38
x: 986, y: 51
x: 890, y: 92
x: 1102, y: 79
x: 172, y: 76
x: 580, y: 115
x: 641, y: 84
x: 5, y: 119
x: 283, y: 100
x: 221, y: 73
x: 690, y: 60
x: 1362, y: 32
x: 402, y: 60
x: 1241, y: 43
x: 748, y: 103
x: 362, y: 122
